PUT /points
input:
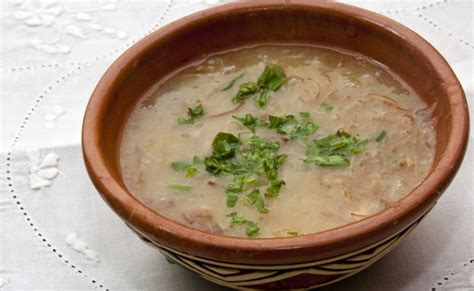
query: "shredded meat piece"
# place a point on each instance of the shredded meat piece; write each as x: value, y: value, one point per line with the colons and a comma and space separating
x: 356, y: 214
x: 202, y: 220
x: 228, y: 111
x: 427, y: 113
x: 405, y: 163
x: 388, y: 101
x: 160, y: 205
x: 210, y: 182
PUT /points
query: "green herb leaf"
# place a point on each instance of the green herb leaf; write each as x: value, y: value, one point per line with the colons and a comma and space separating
x: 216, y: 165
x: 263, y: 147
x: 180, y: 166
x: 334, y: 150
x: 326, y: 107
x: 180, y: 187
x: 197, y: 161
x: 380, y: 136
x: 225, y: 145
x: 237, y: 184
x: 232, y: 82
x: 357, y: 149
x: 251, y: 229
x: 251, y: 181
x: 263, y: 98
x: 236, y: 219
x: 196, y: 112
x: 271, y: 166
x: 304, y: 116
x: 182, y: 121
x: 284, y: 124
x: 190, y: 171
x: 332, y: 161
x: 272, y: 78
x: 193, y: 113
x: 257, y: 200
x: 250, y: 121
x: 293, y: 233
x: 288, y: 125
x: 183, y: 166
x: 245, y: 91
x: 305, y: 130
x: 274, y: 188
x: 246, y: 161
x: 231, y: 200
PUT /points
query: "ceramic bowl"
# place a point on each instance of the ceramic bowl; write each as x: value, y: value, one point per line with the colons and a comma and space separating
x: 299, y: 262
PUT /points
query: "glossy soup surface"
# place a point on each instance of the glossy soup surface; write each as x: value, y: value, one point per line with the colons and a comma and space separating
x: 379, y: 144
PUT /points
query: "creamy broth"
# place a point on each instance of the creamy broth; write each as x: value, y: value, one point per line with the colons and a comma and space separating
x: 390, y: 127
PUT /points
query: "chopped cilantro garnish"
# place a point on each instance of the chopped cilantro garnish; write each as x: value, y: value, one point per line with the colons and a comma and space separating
x: 326, y: 107
x: 256, y: 199
x: 250, y: 121
x: 216, y: 166
x: 263, y: 98
x: 245, y: 91
x: 193, y: 113
x: 334, y: 150
x: 274, y: 188
x: 180, y: 187
x: 305, y: 129
x: 224, y: 148
x: 251, y: 228
x: 180, y: 166
x: 237, y: 184
x: 225, y: 145
x: 231, y: 199
x: 293, y: 233
x: 288, y: 125
x: 191, y: 171
x: 197, y: 160
x: 380, y: 136
x: 189, y: 168
x: 332, y: 161
x: 251, y: 181
x: 261, y: 147
x: 271, y: 79
x: 304, y: 115
x: 232, y: 82
x: 245, y: 161
x: 236, y: 219
x: 284, y: 124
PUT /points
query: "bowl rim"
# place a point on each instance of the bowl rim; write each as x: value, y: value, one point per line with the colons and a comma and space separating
x: 271, y: 250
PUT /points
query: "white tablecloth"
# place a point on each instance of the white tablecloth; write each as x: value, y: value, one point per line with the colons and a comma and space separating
x: 63, y: 236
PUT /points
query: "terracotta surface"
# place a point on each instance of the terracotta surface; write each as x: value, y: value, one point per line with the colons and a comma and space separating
x: 157, y: 56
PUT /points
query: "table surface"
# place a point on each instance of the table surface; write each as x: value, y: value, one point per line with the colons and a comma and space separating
x: 57, y: 233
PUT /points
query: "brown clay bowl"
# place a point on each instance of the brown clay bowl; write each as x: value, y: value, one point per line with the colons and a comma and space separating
x: 307, y: 261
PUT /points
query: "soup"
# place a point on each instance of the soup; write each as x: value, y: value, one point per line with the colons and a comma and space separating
x: 277, y: 141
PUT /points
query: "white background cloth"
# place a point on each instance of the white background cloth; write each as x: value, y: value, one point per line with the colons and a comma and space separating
x: 52, y: 55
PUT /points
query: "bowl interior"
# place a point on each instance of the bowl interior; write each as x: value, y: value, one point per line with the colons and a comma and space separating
x: 300, y: 25
x: 161, y: 54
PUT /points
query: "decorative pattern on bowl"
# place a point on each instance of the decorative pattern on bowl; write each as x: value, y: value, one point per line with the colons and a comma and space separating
x: 307, y: 275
